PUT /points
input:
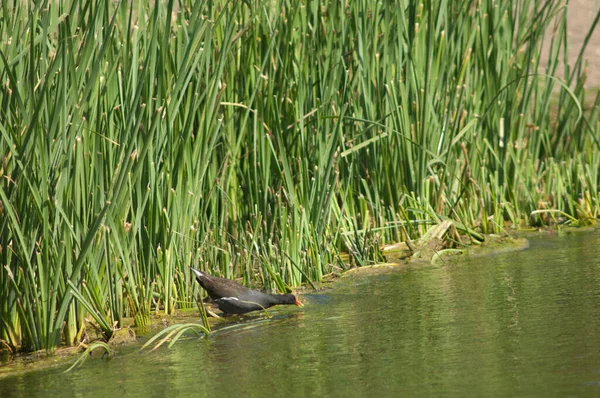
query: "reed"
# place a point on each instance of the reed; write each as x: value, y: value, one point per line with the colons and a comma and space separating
x: 261, y: 139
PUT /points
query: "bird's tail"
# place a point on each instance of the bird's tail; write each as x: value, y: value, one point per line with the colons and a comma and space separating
x: 198, y: 274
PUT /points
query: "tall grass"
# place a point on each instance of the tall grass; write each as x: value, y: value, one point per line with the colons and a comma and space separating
x: 263, y: 138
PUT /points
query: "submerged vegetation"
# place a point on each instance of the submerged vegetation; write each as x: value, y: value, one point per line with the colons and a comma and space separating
x: 261, y: 139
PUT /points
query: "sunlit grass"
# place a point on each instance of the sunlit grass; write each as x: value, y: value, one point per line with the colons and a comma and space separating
x: 263, y: 139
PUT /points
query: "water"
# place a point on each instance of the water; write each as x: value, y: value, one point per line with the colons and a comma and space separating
x: 524, y: 323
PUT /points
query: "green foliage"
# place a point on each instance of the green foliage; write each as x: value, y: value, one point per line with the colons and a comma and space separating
x: 261, y: 139
x: 173, y: 333
x: 98, y: 345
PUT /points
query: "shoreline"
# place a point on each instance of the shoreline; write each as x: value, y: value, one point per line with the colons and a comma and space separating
x: 10, y: 365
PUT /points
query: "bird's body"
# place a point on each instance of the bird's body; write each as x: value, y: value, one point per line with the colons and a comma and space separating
x: 233, y: 298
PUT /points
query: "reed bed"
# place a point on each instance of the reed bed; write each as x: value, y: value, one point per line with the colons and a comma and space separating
x: 260, y: 139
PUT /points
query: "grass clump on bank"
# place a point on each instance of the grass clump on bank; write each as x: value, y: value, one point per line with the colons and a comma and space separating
x: 262, y: 139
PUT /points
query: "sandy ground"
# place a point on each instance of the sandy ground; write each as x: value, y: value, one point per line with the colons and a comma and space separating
x: 581, y: 14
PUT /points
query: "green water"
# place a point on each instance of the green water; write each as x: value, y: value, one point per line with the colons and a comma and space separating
x: 524, y: 323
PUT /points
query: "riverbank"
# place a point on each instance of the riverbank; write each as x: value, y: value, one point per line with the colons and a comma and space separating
x: 513, y: 324
x: 131, y: 336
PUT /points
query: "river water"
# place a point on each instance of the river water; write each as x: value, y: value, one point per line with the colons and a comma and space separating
x: 524, y: 323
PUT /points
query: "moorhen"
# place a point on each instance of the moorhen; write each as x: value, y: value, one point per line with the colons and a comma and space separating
x: 233, y: 298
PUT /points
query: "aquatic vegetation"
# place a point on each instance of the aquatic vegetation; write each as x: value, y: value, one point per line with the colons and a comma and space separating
x: 173, y: 333
x: 97, y: 345
x: 264, y: 139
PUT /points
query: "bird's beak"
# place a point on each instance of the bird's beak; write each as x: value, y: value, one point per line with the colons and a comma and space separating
x: 299, y: 304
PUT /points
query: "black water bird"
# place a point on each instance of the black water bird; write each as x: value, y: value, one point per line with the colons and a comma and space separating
x: 233, y: 298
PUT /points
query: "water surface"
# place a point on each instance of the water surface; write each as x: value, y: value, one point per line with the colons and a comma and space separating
x: 524, y: 323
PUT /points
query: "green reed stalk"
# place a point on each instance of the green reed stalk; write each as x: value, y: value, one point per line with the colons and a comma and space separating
x: 263, y: 139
